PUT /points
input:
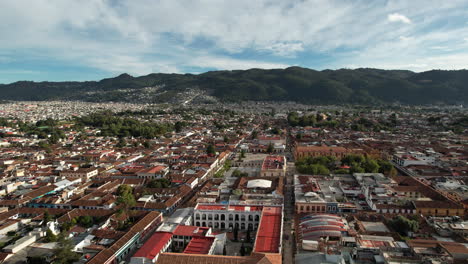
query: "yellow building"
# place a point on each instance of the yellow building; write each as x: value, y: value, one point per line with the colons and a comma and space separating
x: 439, y: 208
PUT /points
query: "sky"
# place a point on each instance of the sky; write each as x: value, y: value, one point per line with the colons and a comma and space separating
x: 57, y: 40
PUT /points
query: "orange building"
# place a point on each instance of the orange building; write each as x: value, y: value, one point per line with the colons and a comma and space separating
x: 314, y: 151
x: 439, y: 208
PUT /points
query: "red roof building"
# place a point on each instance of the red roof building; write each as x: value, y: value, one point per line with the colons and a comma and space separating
x: 200, y: 245
x: 269, y: 231
x: 155, y: 245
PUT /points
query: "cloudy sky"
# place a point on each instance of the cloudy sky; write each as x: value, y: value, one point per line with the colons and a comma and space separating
x: 94, y: 39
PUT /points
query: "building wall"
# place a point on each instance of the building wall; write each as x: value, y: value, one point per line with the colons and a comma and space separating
x: 441, y: 211
x: 224, y: 220
x: 314, y: 207
x: 273, y: 173
x: 312, y: 153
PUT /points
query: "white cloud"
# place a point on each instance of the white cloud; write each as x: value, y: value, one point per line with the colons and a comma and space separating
x: 170, y: 36
x: 225, y: 63
x: 285, y: 49
x: 395, y: 17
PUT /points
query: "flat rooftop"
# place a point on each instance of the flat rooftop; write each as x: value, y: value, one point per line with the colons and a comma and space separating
x: 273, y: 163
x: 222, y: 207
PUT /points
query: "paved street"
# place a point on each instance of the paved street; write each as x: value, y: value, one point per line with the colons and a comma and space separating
x: 288, y: 225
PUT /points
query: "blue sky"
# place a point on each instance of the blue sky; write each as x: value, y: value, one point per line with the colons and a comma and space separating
x: 59, y: 40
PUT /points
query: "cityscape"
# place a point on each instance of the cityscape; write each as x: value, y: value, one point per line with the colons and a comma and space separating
x: 234, y: 132
x: 232, y: 183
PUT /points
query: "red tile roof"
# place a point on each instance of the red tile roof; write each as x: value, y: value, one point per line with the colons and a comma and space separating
x: 269, y: 231
x: 199, y: 245
x: 273, y: 162
x: 154, y: 245
x: 190, y: 231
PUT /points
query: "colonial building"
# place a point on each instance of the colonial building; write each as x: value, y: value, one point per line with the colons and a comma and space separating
x: 273, y: 166
x: 220, y: 216
x: 314, y: 151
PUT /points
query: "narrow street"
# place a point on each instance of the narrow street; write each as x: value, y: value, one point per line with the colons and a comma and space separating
x: 289, y: 241
x: 288, y: 236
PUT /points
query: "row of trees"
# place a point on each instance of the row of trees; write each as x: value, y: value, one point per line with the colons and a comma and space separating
x: 361, y: 164
x: 364, y: 124
x: 226, y: 166
x: 116, y: 126
x: 125, y: 197
x: 315, y: 165
x: 356, y: 164
x: 238, y: 173
x: 159, y: 183
x: 310, y: 120
x: 404, y: 225
x: 44, y: 129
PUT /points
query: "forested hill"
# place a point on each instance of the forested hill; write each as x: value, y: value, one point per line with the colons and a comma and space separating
x: 304, y: 85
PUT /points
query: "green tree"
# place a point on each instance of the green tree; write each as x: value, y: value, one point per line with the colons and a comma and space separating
x: 47, y: 218
x: 247, y: 236
x: 210, y: 150
x: 242, y: 153
x: 85, y: 221
x: 349, y: 159
x: 68, y: 225
x: 355, y: 168
x: 147, y: 144
x: 63, y: 251
x: 125, y: 196
x: 122, y: 143
x: 178, y: 126
x: 242, y: 249
x: 320, y: 169
x: 50, y: 236
x: 404, y: 225
x: 124, y: 189
x: 159, y: 183
x: 235, y: 233
x: 270, y: 148
x: 384, y: 166
x: 254, y: 134
x: 371, y: 166
x: 37, y: 260
x: 237, y: 192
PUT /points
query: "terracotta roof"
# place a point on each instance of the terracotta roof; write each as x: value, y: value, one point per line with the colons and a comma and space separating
x: 437, y: 204
x: 153, y: 246
x: 105, y: 255
x: 269, y: 231
x: 256, y: 258
x: 199, y: 245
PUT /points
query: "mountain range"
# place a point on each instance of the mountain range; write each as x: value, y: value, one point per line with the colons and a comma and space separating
x: 358, y: 86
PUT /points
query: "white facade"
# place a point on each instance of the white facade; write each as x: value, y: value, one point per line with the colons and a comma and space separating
x: 224, y: 219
